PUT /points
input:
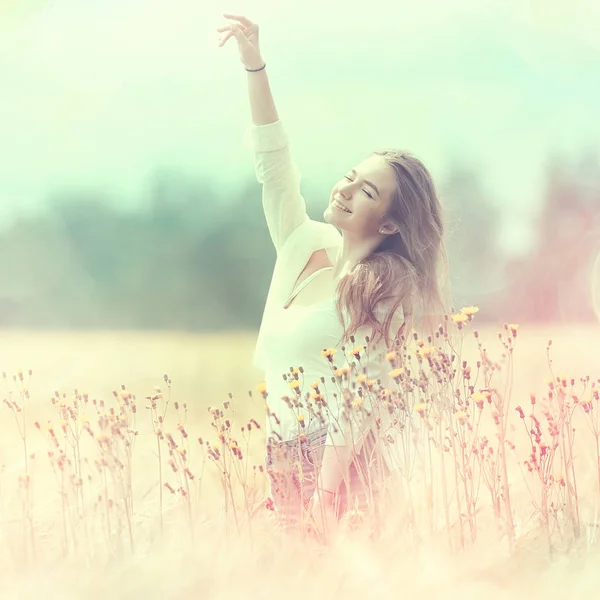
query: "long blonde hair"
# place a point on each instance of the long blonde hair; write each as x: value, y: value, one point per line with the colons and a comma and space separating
x: 409, y: 268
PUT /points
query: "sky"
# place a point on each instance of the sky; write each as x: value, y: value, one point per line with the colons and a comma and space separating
x: 101, y: 94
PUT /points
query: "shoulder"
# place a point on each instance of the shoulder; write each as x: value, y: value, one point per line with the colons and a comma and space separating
x: 310, y: 236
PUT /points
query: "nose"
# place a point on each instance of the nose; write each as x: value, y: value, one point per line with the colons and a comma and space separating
x: 345, y: 193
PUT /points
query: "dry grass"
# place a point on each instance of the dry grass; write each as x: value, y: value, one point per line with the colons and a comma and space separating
x: 48, y: 549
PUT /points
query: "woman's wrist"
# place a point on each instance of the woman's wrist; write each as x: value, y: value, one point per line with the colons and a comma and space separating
x: 255, y: 70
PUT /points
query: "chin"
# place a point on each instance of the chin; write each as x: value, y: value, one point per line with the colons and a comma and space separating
x: 329, y: 216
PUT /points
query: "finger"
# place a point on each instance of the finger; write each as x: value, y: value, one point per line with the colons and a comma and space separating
x: 227, y: 37
x: 240, y: 36
x: 243, y: 20
x: 222, y: 29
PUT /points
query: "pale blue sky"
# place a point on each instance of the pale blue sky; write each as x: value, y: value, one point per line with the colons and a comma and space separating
x: 100, y: 93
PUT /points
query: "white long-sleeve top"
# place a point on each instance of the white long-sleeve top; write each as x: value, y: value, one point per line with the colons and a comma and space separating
x: 295, y: 336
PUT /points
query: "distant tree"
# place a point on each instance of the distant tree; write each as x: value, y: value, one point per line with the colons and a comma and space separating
x: 472, y: 242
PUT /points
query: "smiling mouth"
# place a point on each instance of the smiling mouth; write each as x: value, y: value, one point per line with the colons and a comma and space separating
x: 341, y: 206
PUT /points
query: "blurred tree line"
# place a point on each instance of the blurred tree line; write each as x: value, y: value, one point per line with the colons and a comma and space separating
x: 193, y: 260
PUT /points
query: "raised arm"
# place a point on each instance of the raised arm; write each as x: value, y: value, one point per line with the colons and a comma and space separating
x: 283, y: 204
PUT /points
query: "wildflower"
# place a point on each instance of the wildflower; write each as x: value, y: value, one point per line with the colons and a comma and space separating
x: 295, y: 384
x: 478, y: 398
x: 261, y: 388
x: 426, y: 351
x: 269, y: 504
x: 459, y: 319
x: 391, y: 356
x: 513, y: 328
x: 469, y: 311
x: 396, y: 373
x: 316, y: 396
x: 300, y: 418
x: 295, y: 371
x: 328, y: 353
x: 356, y: 352
x: 462, y: 417
x: 420, y: 408
x: 315, y: 384
x: 362, y: 378
x: 341, y: 371
x: 358, y: 402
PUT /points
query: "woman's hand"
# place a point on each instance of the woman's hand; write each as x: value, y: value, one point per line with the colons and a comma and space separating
x: 246, y: 34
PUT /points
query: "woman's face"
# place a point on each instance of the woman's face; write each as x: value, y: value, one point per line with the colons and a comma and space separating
x: 360, y: 200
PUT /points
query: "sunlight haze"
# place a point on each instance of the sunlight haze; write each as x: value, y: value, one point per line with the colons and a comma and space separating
x: 101, y: 95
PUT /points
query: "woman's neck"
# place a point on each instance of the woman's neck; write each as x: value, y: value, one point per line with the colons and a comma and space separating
x: 351, y: 252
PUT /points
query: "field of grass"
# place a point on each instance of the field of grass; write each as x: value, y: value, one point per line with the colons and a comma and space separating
x: 124, y: 536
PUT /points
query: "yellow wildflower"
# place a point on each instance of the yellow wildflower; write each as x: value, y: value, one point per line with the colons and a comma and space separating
x: 479, y: 398
x: 358, y: 401
x: 469, y: 310
x: 361, y: 378
x: 426, y: 351
x: 295, y: 384
x: 420, y: 408
x: 295, y: 371
x: 513, y: 328
x: 391, y: 356
x: 459, y: 319
x: 328, y: 353
x: 261, y: 388
x: 315, y: 384
x: 462, y: 417
x: 341, y: 371
x: 356, y: 351
x: 395, y: 374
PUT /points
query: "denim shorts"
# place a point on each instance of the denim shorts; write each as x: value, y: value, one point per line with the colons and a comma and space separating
x: 293, y: 468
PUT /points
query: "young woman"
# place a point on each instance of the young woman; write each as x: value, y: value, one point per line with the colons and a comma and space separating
x: 372, y: 269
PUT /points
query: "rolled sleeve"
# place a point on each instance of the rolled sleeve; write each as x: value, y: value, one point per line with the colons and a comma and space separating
x: 266, y: 138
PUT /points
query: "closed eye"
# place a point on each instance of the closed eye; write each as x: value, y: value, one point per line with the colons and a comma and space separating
x: 365, y: 191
